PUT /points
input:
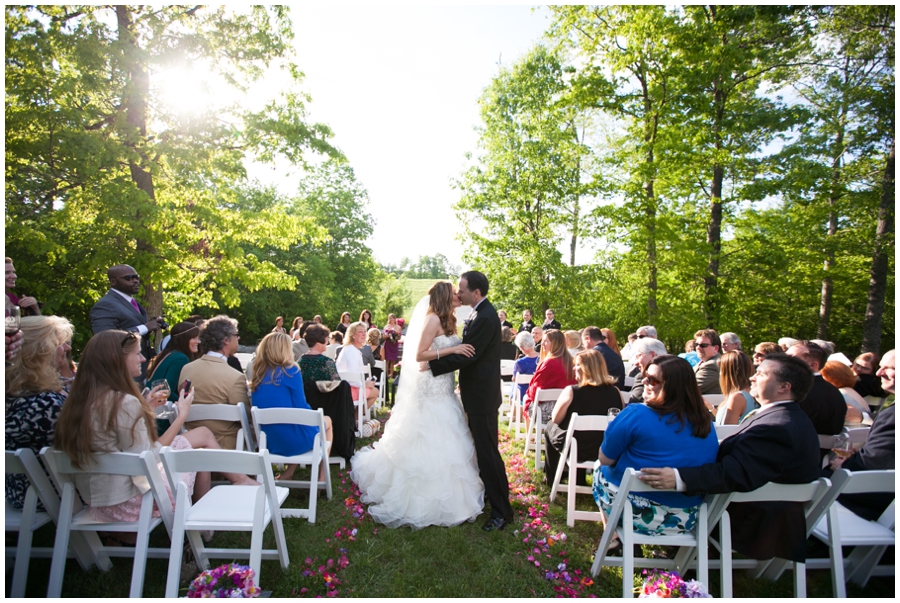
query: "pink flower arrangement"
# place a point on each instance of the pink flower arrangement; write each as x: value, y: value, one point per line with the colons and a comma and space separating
x: 669, y: 585
x: 229, y: 581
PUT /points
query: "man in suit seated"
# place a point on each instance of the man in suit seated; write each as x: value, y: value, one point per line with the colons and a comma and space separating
x: 592, y: 338
x: 707, y: 372
x: 214, y: 381
x: 876, y: 454
x: 119, y: 310
x: 824, y: 403
x: 777, y: 444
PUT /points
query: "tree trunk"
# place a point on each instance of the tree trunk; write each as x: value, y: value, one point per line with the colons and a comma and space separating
x: 714, y: 240
x: 883, y: 246
x: 134, y: 103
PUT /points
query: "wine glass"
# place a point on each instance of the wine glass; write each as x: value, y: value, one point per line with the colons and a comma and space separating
x: 842, y: 446
x: 612, y: 413
x: 13, y: 319
x: 164, y: 391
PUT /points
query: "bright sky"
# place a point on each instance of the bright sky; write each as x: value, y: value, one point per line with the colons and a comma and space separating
x: 399, y: 86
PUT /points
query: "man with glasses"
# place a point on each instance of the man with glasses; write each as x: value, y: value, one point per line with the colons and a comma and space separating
x: 645, y: 350
x: 647, y: 331
x: 707, y: 372
x: 730, y: 342
x: 119, y: 310
x: 593, y: 338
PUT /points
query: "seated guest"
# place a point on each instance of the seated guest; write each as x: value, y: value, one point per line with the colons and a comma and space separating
x: 345, y: 322
x: 647, y: 331
x: 276, y: 383
x: 876, y: 454
x: 787, y: 342
x: 673, y: 424
x: 351, y: 361
x: 34, y: 392
x: 537, y: 333
x: 372, y: 351
x: 867, y: 384
x: 828, y: 346
x: 609, y: 338
x: 105, y: 412
x: 508, y: 350
x: 554, y: 371
x: 824, y: 403
x: 841, y: 376
x: 593, y: 338
x: 573, y: 342
x: 730, y: 342
x: 527, y: 364
x: 645, y: 350
x: 735, y: 370
x: 627, y: 350
x: 707, y: 371
x: 777, y: 444
x: 764, y: 349
x: 690, y: 353
x: 214, y: 381
x: 315, y: 365
x: 594, y: 394
x: 183, y: 347
x: 29, y: 306
x: 550, y: 322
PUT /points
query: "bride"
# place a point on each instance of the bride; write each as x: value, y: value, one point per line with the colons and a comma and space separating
x: 423, y: 471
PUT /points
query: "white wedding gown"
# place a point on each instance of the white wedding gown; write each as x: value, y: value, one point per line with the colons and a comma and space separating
x: 423, y: 471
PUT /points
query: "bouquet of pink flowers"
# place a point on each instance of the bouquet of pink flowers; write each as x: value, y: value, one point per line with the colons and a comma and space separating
x: 229, y: 581
x: 392, y: 335
x: 669, y: 585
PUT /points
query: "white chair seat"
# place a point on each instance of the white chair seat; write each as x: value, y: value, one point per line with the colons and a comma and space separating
x: 229, y: 508
x: 725, y: 431
x: 855, y: 531
x: 14, y: 518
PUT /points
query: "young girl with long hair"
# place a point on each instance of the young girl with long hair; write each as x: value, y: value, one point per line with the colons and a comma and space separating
x: 555, y: 370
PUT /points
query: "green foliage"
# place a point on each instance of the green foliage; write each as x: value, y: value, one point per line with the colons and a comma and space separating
x: 427, y: 266
x: 396, y: 297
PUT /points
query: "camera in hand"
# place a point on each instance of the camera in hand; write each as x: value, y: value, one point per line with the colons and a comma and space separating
x: 162, y: 323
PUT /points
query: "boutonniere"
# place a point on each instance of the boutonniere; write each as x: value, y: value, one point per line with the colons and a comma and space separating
x: 466, y: 323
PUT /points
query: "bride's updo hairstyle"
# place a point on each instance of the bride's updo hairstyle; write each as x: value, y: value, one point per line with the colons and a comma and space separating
x: 440, y: 302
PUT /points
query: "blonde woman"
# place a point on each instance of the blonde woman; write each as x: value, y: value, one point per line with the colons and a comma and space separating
x: 276, y: 383
x: 351, y: 361
x: 573, y: 342
x: 735, y: 369
x: 423, y: 471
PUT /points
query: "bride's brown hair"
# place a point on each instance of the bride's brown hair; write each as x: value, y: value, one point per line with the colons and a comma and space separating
x: 440, y: 302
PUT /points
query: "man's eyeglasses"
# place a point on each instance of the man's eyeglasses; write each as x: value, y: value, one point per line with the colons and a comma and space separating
x: 704, y: 345
x: 131, y: 277
x: 129, y: 338
x: 641, y: 336
x: 652, y: 380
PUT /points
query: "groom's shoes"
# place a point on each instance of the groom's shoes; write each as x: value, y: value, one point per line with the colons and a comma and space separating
x: 496, y: 523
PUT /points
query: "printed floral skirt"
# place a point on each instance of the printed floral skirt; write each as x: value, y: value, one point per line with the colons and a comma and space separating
x: 649, y: 518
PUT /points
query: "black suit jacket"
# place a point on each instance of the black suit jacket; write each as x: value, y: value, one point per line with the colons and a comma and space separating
x: 614, y: 364
x: 479, y: 376
x: 777, y: 445
x: 825, y: 406
x: 113, y: 311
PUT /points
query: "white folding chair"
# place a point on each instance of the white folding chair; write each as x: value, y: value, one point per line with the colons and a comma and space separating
x: 629, y: 382
x: 362, y: 410
x: 808, y: 494
x: 224, y: 508
x: 379, y: 364
x: 725, y: 431
x: 506, y: 370
x: 538, y: 425
x: 71, y: 519
x: 225, y: 412
x: 622, y: 509
x: 858, y: 435
x: 626, y: 397
x: 714, y: 399
x: 842, y: 527
x: 515, y: 403
x: 331, y: 350
x: 570, y: 452
x: 314, y: 458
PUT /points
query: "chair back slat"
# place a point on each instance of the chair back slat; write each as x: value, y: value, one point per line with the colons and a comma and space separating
x: 588, y: 422
x: 296, y: 416
x: 223, y: 461
x: 523, y: 379
x: 547, y: 395
x: 725, y: 431
x: 213, y: 412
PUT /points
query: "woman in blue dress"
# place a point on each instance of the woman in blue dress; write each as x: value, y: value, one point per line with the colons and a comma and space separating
x: 276, y: 383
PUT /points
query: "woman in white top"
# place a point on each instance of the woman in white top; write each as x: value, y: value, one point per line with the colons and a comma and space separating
x: 351, y: 361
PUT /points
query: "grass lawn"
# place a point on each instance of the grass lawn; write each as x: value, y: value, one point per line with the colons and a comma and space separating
x: 345, y: 553
x: 419, y: 288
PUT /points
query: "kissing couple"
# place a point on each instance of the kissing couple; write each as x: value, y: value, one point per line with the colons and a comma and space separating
x: 438, y: 458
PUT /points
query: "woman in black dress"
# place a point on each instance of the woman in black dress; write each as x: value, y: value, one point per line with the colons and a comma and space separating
x: 595, y: 394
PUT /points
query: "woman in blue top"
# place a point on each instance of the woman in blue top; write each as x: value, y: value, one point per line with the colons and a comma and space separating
x: 527, y: 364
x: 276, y: 383
x: 672, y: 426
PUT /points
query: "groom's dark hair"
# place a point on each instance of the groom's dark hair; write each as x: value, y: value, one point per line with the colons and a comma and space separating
x: 476, y: 280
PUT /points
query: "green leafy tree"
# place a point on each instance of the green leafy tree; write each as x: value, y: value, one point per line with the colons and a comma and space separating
x: 395, y: 297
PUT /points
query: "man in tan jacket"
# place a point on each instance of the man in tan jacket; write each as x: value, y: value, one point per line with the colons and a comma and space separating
x: 214, y: 381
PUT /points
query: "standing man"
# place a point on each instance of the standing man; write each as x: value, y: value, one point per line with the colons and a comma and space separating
x: 707, y: 372
x: 550, y: 322
x: 479, y: 385
x: 119, y: 310
x: 527, y: 323
x: 592, y: 338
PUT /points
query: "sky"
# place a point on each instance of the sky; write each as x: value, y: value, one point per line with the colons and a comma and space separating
x: 399, y: 87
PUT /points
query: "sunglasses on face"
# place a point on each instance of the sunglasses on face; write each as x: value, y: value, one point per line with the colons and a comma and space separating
x: 704, y: 345
x: 131, y: 277
x: 641, y: 336
x: 650, y: 380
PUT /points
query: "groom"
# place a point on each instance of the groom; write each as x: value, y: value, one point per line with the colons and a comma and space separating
x: 479, y: 384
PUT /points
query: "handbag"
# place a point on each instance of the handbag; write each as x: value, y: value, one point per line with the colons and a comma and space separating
x: 328, y: 386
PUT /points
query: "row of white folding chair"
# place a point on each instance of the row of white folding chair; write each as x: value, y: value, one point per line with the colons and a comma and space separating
x: 222, y: 412
x: 696, y: 540
x: 382, y: 380
x: 27, y: 520
x: 517, y: 420
x: 363, y: 413
x: 224, y: 508
x: 313, y: 458
x: 570, y: 456
x: 537, y: 423
x: 331, y: 350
